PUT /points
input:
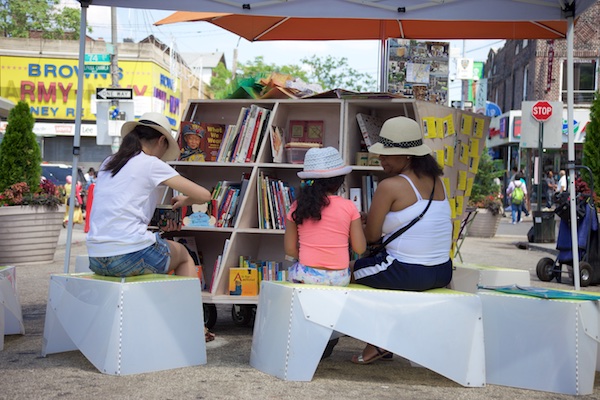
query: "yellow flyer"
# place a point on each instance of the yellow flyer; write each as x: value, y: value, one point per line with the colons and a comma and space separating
x: 463, y: 155
x: 466, y: 124
x: 439, y: 156
x: 474, y: 165
x: 460, y: 204
x: 474, y: 147
x: 439, y: 127
x: 478, y: 128
x: 469, y: 187
x: 448, y: 128
x: 429, y: 129
x: 456, y: 229
x: 452, y: 203
x: 462, y: 180
x: 449, y: 155
x: 447, y: 185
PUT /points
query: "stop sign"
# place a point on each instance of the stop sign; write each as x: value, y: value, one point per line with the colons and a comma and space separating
x: 541, y: 111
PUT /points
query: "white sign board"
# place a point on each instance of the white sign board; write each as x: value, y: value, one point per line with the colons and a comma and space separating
x: 530, y: 128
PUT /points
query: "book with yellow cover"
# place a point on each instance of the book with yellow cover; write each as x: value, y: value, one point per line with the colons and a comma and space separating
x: 243, y: 282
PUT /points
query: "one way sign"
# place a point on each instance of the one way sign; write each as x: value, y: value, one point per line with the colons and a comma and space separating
x: 114, y: 94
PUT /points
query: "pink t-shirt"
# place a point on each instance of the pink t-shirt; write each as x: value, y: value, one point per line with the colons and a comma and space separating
x: 325, y: 243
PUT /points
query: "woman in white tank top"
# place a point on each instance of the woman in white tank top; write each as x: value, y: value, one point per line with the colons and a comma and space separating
x: 419, y: 259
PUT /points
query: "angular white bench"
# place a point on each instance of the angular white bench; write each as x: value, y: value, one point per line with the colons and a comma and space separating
x: 438, y: 329
x: 468, y: 277
x: 126, y: 326
x: 540, y: 344
x: 11, y: 317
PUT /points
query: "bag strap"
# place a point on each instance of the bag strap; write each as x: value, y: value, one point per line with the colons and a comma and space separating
x: 405, y: 227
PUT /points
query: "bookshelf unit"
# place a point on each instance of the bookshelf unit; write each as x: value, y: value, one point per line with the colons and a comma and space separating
x: 340, y: 131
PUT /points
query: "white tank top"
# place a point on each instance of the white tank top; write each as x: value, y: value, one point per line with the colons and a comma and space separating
x: 427, y: 242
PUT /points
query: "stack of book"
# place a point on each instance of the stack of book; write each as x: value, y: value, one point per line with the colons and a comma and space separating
x: 275, y: 198
x: 241, y: 141
x: 225, y: 201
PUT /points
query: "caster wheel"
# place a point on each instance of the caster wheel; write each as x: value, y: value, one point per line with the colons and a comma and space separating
x: 210, y: 315
x: 545, y: 269
x: 243, y: 314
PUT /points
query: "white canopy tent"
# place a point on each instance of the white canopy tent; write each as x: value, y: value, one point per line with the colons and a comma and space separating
x: 554, y: 15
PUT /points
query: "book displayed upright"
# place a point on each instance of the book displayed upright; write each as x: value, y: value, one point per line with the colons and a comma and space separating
x: 242, y: 142
x: 200, y: 141
x: 370, y: 126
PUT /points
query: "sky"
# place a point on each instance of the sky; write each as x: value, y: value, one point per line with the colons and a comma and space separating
x: 202, y: 37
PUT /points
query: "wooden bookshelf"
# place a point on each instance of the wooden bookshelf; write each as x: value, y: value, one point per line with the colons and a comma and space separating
x: 340, y: 130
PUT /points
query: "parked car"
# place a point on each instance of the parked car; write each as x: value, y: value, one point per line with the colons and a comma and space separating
x: 57, y: 174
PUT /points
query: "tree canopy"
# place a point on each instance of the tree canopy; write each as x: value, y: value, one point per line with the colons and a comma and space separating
x: 18, y: 18
x: 329, y: 72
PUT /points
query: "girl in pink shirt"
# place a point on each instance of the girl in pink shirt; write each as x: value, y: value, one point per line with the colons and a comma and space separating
x: 320, y: 225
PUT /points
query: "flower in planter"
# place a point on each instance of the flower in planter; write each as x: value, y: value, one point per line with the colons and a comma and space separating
x: 19, y: 194
x: 492, y: 203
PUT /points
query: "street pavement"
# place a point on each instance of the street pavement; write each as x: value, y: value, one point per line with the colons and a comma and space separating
x: 25, y: 374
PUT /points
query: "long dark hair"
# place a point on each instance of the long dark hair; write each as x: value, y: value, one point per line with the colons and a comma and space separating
x: 426, y: 166
x: 313, y: 197
x: 131, y: 146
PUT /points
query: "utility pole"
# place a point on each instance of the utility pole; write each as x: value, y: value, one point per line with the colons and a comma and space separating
x: 114, y: 69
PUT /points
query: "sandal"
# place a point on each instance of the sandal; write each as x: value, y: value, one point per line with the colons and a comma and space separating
x: 208, y: 335
x: 380, y: 355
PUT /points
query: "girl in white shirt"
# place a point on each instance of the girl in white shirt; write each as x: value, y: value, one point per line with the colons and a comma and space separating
x: 125, y: 196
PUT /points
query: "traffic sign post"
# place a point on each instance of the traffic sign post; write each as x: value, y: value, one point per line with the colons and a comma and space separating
x: 114, y: 94
x: 541, y: 112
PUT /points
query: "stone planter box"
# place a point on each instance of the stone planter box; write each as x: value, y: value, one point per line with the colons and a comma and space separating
x: 485, y: 224
x: 29, y: 234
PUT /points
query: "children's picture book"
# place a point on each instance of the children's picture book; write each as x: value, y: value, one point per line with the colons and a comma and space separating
x: 277, y: 144
x: 163, y: 214
x: 369, y: 126
x: 200, y: 141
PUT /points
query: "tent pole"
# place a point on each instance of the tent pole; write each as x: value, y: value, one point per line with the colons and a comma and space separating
x: 571, y: 148
x: 383, y: 61
x: 76, y: 137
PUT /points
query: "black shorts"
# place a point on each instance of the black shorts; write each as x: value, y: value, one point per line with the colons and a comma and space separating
x: 385, y: 272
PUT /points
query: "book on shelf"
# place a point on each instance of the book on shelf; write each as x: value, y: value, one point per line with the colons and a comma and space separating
x: 243, y: 282
x: 200, y: 141
x: 259, y: 133
x: 233, y: 136
x: 243, y: 188
x: 356, y: 197
x: 274, y: 198
x: 277, y: 144
x: 306, y: 131
x: 369, y: 126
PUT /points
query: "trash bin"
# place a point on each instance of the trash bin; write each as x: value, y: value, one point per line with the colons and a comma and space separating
x: 544, y: 227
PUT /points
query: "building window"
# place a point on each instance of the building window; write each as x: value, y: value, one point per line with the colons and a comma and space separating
x: 584, y: 81
x: 525, y: 41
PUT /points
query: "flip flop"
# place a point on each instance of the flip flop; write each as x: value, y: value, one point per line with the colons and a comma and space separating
x: 380, y: 354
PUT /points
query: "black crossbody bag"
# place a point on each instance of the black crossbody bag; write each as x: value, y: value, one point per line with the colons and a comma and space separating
x: 400, y: 231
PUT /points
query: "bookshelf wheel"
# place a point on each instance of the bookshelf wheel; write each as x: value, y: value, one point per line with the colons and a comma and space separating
x: 210, y: 315
x: 243, y: 314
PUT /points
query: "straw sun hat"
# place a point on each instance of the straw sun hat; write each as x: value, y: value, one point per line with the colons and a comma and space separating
x: 323, y: 163
x: 400, y: 136
x: 160, y: 123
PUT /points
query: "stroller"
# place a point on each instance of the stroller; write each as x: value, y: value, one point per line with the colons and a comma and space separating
x: 587, y: 239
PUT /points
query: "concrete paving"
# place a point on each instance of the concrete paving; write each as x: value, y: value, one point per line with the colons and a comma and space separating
x: 228, y: 375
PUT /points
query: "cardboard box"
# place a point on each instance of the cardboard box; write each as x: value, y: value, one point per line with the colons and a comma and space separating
x: 243, y: 282
x: 362, y: 158
x: 374, y: 160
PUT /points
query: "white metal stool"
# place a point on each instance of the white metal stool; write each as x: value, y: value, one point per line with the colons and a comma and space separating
x: 126, y: 325
x: 11, y: 317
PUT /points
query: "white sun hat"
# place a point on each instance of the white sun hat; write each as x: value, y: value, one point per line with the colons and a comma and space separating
x: 323, y: 163
x: 400, y: 136
x: 160, y: 123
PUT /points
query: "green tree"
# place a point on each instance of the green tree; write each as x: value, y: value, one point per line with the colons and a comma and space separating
x: 329, y: 72
x: 19, y: 17
x: 332, y: 73
x: 591, y: 146
x: 483, y: 184
x: 20, y: 155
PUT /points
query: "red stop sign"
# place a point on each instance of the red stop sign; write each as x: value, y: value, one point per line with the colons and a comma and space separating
x: 541, y: 111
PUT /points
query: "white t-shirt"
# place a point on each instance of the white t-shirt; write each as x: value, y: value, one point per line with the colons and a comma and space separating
x: 562, y: 184
x: 124, y: 204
